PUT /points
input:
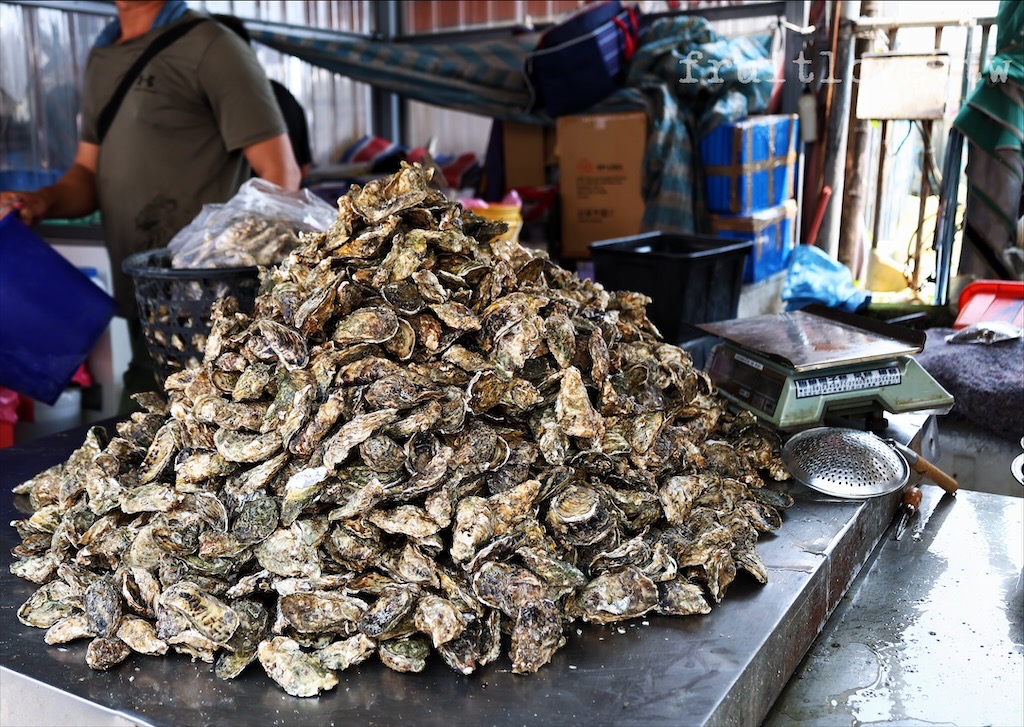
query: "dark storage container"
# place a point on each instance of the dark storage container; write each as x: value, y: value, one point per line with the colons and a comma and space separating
x: 700, y: 349
x: 691, y: 278
x: 174, y: 305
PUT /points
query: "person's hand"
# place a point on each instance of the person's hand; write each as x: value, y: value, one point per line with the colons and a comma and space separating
x: 31, y: 207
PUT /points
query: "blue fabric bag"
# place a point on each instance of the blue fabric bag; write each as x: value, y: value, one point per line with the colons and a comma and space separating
x: 581, y: 60
x: 51, y: 314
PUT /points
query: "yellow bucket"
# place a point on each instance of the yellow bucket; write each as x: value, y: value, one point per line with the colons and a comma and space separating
x: 508, y: 213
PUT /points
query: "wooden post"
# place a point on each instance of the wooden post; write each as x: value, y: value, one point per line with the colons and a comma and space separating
x: 838, y: 126
x: 852, y: 225
x: 926, y: 187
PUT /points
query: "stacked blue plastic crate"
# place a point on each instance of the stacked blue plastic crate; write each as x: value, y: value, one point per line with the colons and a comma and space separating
x: 749, y: 168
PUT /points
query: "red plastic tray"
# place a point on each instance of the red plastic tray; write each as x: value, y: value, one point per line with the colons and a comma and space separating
x: 991, y: 300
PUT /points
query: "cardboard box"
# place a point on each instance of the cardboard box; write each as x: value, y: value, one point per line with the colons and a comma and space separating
x: 771, y: 231
x: 525, y: 148
x: 600, y: 158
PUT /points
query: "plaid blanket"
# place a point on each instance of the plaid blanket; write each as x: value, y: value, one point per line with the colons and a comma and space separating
x: 685, y: 75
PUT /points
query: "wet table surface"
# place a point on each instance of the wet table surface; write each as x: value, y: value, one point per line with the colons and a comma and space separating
x: 932, y: 630
x: 727, y: 667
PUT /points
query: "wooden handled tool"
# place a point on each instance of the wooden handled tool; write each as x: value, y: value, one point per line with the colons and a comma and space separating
x: 927, y: 469
x: 909, y: 506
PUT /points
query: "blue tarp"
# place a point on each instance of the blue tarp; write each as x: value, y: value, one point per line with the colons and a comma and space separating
x: 687, y: 77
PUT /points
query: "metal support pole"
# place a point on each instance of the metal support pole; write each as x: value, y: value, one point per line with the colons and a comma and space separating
x: 876, y: 229
x: 983, y: 51
x: 387, y: 108
x: 926, y: 187
x: 883, y: 151
x: 798, y: 13
x: 926, y: 160
x: 945, y: 220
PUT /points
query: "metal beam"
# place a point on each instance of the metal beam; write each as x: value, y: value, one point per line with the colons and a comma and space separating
x: 98, y: 7
x: 303, y: 32
x: 470, y: 35
x: 713, y: 14
x: 729, y: 12
x: 882, y: 23
x: 71, y: 6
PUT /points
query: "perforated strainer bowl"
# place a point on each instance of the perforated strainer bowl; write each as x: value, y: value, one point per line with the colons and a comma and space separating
x: 845, y: 462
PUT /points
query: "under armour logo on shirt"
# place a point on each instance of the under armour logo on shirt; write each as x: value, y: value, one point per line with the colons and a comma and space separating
x: 144, y: 81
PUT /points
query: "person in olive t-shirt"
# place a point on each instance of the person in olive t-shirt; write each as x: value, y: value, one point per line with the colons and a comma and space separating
x: 291, y: 109
x: 198, y: 121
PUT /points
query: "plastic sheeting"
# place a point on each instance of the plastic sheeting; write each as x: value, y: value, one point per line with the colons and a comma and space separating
x: 691, y: 79
x: 42, y: 58
x: 687, y: 77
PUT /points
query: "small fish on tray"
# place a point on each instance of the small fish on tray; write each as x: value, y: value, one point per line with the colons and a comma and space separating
x: 986, y: 333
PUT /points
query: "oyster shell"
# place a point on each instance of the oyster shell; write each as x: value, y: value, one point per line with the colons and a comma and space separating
x: 298, y: 673
x: 405, y: 655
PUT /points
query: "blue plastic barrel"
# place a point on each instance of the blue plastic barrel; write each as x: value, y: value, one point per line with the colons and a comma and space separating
x: 51, y: 314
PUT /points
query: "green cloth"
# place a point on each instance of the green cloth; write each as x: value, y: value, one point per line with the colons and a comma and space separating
x: 992, y: 121
x: 992, y: 118
x: 176, y: 142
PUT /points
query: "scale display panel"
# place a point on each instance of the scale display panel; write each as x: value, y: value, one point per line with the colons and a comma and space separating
x: 748, y: 380
x: 843, y: 383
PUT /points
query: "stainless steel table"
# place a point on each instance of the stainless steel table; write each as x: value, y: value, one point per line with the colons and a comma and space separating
x: 724, y: 668
x: 931, y: 632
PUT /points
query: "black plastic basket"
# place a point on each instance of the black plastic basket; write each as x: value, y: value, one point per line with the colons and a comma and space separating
x: 690, y: 278
x: 174, y: 305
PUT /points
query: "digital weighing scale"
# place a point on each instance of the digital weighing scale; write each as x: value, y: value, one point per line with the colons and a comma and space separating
x: 793, y: 369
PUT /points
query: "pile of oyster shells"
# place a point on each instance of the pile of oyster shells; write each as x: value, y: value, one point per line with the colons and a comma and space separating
x: 421, y: 437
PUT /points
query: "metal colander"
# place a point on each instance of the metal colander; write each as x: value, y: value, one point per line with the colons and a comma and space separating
x: 845, y: 462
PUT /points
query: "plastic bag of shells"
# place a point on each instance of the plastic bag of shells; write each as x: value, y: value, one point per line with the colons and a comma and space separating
x: 423, y: 443
x: 260, y: 225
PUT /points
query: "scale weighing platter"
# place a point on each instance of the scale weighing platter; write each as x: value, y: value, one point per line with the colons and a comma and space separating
x: 791, y: 369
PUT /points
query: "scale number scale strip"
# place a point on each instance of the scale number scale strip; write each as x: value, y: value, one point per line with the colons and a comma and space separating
x: 842, y: 383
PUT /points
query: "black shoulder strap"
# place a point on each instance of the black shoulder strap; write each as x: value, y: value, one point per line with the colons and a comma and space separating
x: 159, y: 43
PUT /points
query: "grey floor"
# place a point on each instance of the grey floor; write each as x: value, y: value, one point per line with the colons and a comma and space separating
x: 978, y: 460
